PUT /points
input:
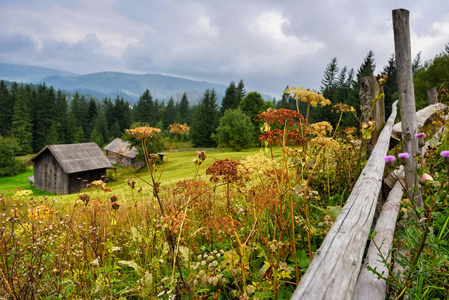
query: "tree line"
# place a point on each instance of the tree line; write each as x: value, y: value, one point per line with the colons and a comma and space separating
x: 37, y: 116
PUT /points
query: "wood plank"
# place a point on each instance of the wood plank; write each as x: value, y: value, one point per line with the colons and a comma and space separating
x: 369, y: 286
x: 334, y: 270
x: 423, y: 117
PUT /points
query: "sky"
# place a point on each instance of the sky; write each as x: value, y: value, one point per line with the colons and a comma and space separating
x: 268, y: 43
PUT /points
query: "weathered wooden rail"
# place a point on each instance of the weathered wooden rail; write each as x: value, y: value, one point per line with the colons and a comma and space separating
x: 336, y: 271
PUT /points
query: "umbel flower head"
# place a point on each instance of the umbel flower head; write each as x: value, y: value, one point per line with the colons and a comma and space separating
x: 311, y: 97
x: 178, y: 128
x: 143, y: 132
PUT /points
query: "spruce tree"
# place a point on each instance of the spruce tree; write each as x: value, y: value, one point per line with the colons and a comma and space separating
x: 43, y: 114
x: 241, y: 92
x: 391, y: 86
x: 7, y: 109
x: 61, y: 117
x: 230, y: 100
x: 205, y: 121
x: 368, y: 66
x: 144, y: 110
x: 184, y: 109
x: 21, y: 120
x: 329, y: 89
x: 169, y: 114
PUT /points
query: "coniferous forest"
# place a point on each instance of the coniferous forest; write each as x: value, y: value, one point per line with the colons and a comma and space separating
x: 39, y: 115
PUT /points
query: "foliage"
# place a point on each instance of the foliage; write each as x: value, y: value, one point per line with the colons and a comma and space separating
x: 9, y: 165
x: 235, y: 130
x: 434, y: 73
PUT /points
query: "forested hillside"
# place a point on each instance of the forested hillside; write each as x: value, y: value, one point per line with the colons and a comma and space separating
x: 38, y: 115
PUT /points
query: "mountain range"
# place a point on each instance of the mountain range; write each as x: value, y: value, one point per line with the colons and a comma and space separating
x: 112, y: 84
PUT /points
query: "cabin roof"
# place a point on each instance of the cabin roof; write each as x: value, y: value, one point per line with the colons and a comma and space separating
x: 80, y: 157
x: 121, y: 147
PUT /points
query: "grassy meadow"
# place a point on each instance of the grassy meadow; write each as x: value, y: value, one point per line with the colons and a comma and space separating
x: 211, y: 225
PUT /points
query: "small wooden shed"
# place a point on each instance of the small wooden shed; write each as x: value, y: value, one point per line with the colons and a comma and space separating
x: 66, y: 169
x: 122, y: 153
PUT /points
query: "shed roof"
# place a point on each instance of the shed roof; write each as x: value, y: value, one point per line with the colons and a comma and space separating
x: 80, y: 157
x: 121, y: 147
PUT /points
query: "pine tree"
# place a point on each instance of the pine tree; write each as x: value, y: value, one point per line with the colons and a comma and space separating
x: 169, y: 114
x: 97, y: 137
x: 144, y: 110
x: 368, y: 66
x: 391, y: 86
x: 43, y: 115
x: 329, y: 89
x: 285, y: 101
x: 92, y: 111
x: 61, y: 117
x: 230, y: 100
x: 21, y: 120
x: 7, y: 109
x: 241, y: 92
x: 184, y: 109
x: 205, y: 121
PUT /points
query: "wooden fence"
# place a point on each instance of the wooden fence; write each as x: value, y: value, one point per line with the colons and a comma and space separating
x: 336, y: 271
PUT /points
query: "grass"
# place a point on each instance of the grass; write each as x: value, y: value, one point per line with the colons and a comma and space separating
x: 179, y: 166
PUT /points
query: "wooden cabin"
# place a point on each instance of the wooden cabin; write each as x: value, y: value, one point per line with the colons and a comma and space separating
x: 66, y: 169
x: 122, y: 153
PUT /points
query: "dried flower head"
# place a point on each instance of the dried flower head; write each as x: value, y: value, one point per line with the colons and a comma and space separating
x: 328, y: 143
x: 224, y: 169
x: 143, y: 132
x: 201, y: 155
x: 319, y: 129
x: 97, y: 183
x: 178, y: 128
x: 115, y: 206
x: 85, y: 198
x: 340, y: 107
x: 131, y: 182
x: 281, y: 117
x: 114, y: 198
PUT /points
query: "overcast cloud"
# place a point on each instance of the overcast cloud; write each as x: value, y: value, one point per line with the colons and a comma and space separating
x: 268, y: 44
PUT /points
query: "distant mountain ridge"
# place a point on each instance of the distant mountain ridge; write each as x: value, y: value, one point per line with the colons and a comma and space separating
x: 111, y: 84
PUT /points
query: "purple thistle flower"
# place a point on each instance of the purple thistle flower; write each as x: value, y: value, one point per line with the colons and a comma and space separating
x: 445, y: 155
x: 404, y: 157
x: 420, y: 135
x: 391, y: 158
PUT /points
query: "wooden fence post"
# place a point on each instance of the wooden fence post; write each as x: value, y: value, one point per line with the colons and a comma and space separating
x: 407, y: 105
x: 367, y: 92
x: 432, y: 96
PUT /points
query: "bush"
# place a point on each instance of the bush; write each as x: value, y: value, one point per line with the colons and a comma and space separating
x: 9, y: 165
x: 235, y: 131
